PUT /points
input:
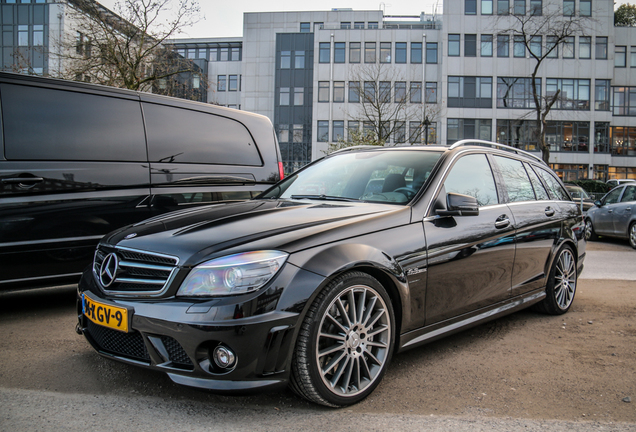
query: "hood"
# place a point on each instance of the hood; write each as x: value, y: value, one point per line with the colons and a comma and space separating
x: 206, y: 232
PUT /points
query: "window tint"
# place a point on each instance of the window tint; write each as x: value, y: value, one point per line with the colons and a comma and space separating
x: 185, y: 136
x: 471, y: 175
x: 46, y: 124
x: 630, y: 194
x: 554, y: 186
x: 515, y: 179
x: 539, y: 189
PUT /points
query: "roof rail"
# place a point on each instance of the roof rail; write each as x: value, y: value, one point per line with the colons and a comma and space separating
x: 360, y: 147
x: 496, y: 145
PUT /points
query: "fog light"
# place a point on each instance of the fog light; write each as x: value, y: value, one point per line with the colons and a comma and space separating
x: 223, y: 357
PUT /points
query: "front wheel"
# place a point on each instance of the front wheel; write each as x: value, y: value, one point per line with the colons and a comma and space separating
x: 589, y: 231
x: 345, y: 343
x: 561, y: 285
x: 632, y: 235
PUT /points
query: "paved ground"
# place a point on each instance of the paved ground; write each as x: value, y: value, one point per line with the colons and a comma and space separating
x: 522, y: 372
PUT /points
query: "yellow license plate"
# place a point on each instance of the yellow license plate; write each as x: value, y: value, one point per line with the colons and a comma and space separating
x: 106, y: 315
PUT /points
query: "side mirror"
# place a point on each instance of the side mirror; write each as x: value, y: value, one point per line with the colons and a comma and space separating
x: 598, y: 203
x: 459, y: 205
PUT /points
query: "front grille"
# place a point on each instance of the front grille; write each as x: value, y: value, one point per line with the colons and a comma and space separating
x: 130, y: 345
x: 137, y: 272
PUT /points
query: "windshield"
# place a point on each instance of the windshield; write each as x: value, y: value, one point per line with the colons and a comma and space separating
x: 375, y: 176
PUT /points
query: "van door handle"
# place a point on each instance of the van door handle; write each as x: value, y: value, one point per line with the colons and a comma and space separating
x: 502, y: 222
x: 549, y: 212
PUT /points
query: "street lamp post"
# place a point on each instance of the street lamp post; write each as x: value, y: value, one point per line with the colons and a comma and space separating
x: 426, y: 124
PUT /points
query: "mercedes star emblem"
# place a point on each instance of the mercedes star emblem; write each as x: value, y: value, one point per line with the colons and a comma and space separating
x: 108, y: 270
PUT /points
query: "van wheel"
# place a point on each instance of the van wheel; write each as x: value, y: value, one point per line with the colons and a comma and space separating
x: 345, y: 342
x: 561, y: 285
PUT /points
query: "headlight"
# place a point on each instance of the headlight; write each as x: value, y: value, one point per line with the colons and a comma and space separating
x: 233, y: 274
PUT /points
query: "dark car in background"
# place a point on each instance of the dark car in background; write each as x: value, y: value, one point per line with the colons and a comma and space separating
x: 614, y: 215
x: 319, y: 280
x: 78, y: 161
x: 581, y: 197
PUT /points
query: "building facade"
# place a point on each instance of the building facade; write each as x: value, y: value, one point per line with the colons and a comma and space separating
x: 439, y: 78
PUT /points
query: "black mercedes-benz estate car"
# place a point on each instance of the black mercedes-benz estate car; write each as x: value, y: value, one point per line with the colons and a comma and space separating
x: 318, y: 281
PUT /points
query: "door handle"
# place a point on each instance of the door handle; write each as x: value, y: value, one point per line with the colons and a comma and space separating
x: 22, y: 182
x: 549, y: 212
x: 610, y: 211
x: 502, y: 222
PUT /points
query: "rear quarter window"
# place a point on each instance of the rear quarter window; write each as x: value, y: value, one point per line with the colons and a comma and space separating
x: 555, y: 189
x: 49, y: 124
x: 186, y: 136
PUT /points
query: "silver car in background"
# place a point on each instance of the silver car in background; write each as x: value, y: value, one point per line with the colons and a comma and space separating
x: 614, y: 215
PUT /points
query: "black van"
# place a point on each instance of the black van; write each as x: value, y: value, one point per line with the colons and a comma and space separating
x: 79, y: 160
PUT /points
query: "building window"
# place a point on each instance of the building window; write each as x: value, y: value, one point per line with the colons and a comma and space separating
x: 486, y: 46
x: 568, y: 7
x: 536, y: 7
x: 233, y: 83
x: 399, y: 132
x: 536, y: 42
x: 354, y: 52
x: 552, y: 47
x: 38, y: 35
x: 503, y: 45
x: 415, y: 132
x: 585, y: 8
x: 372, y: 25
x: 338, y: 91
x: 632, y: 57
x: 235, y: 54
x: 568, y: 47
x: 522, y: 134
x: 283, y: 133
x: 570, y: 172
x: 416, y: 92
x: 469, y: 92
x: 298, y: 133
x: 369, y: 52
x: 345, y: 25
x: 221, y: 82
x: 358, y: 25
x: 574, y: 93
x: 400, y: 52
x: 337, y: 132
x: 305, y: 27
x: 324, y: 52
x: 602, y: 95
x: 516, y: 92
x: 601, y: 48
x: 623, y: 143
x: 585, y: 47
x: 400, y: 91
x: 339, y: 52
x: 284, y: 96
x: 431, y: 92
x: 486, y: 7
x: 354, y: 91
x: 601, y: 137
x: 384, y: 92
x: 470, y: 7
x: 319, y: 26
x: 416, y: 52
x: 503, y: 7
x: 214, y: 54
x: 385, y: 52
x: 568, y: 136
x: 459, y: 129
x: 453, y: 45
x: 299, y: 59
x: 323, y: 91
x: 323, y: 131
x: 353, y: 127
x: 620, y: 56
x: 431, y: 52
x: 519, y: 48
x: 624, y: 101
x: 369, y: 92
x: 225, y: 54
x: 519, y: 7
x: 299, y: 96
x: 470, y: 45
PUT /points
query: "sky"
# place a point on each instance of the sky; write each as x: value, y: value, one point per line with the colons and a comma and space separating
x: 224, y: 18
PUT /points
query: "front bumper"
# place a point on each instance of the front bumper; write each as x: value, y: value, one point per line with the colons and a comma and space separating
x: 177, y: 336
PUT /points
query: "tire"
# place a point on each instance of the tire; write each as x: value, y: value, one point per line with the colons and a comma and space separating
x: 561, y: 286
x: 590, y: 234
x: 632, y: 235
x: 342, y: 353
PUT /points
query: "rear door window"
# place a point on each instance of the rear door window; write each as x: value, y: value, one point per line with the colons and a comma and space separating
x: 185, y: 136
x: 515, y: 179
x: 554, y: 186
x: 539, y: 190
x: 49, y: 124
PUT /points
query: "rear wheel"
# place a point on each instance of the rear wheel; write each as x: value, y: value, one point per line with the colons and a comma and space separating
x: 589, y: 231
x: 345, y: 342
x: 632, y: 235
x: 561, y: 285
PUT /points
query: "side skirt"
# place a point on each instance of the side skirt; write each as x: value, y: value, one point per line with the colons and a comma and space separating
x: 436, y: 331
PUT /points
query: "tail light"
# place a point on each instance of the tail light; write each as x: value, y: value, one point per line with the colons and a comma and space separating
x: 281, y: 171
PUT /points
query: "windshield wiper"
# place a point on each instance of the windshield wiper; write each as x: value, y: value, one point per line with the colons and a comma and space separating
x: 323, y: 197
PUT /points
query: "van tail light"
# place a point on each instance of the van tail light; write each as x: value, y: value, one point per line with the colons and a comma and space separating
x: 281, y: 171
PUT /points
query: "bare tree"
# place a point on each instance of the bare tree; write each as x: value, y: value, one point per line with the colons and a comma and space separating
x: 127, y: 49
x: 388, y: 106
x: 559, y: 29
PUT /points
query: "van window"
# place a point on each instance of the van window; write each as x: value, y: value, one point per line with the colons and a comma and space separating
x: 186, y: 136
x: 47, y: 124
